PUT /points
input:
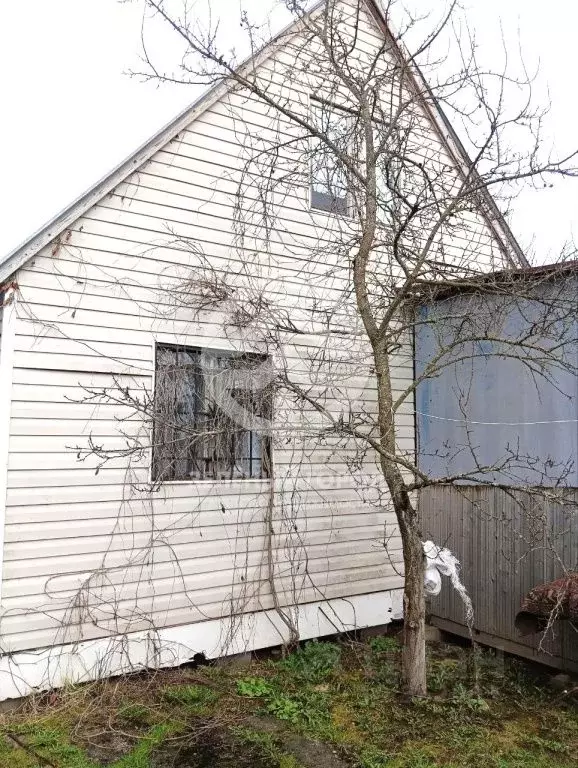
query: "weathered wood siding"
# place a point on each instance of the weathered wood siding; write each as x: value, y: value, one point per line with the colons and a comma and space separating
x: 89, y: 555
x: 507, y: 543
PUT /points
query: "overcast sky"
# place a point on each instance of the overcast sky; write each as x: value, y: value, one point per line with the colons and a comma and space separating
x: 69, y: 113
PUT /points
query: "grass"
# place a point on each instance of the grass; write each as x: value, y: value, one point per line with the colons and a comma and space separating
x: 197, y: 699
x: 269, y: 747
x: 270, y: 714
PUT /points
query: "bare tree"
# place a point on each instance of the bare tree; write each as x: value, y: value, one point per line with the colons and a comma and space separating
x: 345, y: 126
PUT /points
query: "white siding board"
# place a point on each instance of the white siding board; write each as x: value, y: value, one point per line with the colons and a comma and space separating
x: 319, y: 487
x: 48, y: 631
x: 209, y: 525
x: 164, y: 587
x: 206, y: 598
x: 209, y: 556
x: 142, y: 215
x: 341, y: 502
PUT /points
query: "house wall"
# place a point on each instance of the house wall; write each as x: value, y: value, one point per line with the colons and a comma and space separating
x: 90, y: 556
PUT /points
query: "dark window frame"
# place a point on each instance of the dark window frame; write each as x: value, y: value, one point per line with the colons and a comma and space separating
x: 187, y: 444
x: 328, y: 201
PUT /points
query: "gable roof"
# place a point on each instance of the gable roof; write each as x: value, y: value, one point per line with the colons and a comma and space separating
x: 57, y: 225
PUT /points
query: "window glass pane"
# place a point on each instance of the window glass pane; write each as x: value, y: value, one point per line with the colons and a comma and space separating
x: 329, y: 185
x: 208, y: 408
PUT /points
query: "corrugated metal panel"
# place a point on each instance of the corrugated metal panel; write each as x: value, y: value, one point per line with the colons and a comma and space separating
x: 507, y: 543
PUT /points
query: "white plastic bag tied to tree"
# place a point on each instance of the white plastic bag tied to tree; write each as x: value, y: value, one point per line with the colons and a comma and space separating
x: 440, y: 561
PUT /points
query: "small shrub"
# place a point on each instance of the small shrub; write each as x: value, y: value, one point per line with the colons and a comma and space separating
x: 387, y: 673
x: 384, y: 644
x: 254, y: 687
x: 314, y: 662
x: 285, y: 708
x: 308, y: 709
x: 384, y: 660
x: 442, y: 674
x: 462, y: 697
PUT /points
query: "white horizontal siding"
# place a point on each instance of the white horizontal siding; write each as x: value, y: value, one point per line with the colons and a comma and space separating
x: 201, y: 606
x: 208, y: 525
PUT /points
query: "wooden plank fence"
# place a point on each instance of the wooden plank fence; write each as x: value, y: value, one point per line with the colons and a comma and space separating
x: 507, y: 543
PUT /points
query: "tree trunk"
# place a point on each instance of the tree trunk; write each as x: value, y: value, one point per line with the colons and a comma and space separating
x: 413, y: 673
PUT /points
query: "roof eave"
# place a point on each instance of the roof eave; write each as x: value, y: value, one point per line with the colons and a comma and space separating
x: 60, y: 223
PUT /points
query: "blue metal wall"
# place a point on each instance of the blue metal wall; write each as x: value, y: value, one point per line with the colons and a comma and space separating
x: 485, y: 404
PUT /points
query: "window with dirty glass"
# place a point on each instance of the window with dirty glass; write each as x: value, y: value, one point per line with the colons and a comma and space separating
x: 397, y: 182
x: 212, y: 413
x: 329, y: 178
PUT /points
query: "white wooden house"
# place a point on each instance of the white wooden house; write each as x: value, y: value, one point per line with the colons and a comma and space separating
x: 110, y: 570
